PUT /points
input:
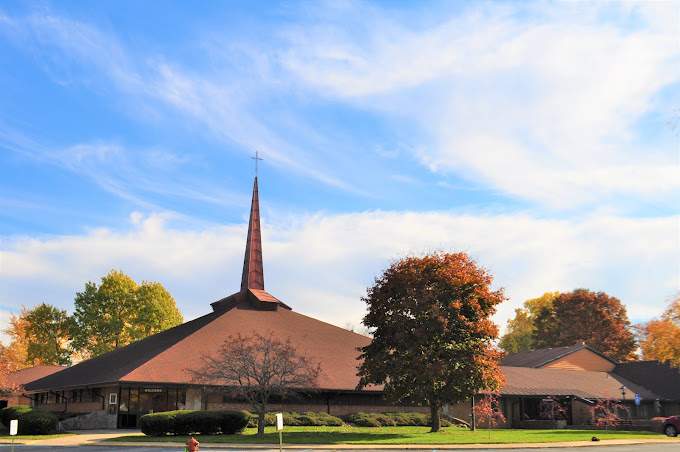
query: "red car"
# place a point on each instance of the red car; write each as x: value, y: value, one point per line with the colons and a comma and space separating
x: 671, y: 426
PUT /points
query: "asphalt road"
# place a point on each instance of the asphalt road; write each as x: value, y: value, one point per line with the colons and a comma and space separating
x: 666, y: 447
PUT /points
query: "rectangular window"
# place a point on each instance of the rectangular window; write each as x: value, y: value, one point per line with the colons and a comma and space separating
x: 134, y: 399
x: 96, y: 392
x: 181, y: 398
x: 124, y: 400
x: 145, y: 402
x: 172, y: 399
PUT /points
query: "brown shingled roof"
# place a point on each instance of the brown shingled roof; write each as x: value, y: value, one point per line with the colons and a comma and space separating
x: 30, y: 374
x: 166, y: 357
x: 661, y: 378
x: 559, y: 382
x: 542, y: 356
x: 111, y: 367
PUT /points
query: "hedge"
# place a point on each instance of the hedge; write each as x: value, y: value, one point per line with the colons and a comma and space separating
x: 32, y: 420
x: 232, y: 422
x: 299, y: 419
x: 13, y: 412
x: 390, y: 419
x: 188, y: 422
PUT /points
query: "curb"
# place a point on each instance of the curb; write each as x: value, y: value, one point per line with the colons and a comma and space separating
x: 414, y: 447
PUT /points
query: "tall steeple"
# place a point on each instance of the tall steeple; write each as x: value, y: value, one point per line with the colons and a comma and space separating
x: 252, y: 294
x: 253, y: 273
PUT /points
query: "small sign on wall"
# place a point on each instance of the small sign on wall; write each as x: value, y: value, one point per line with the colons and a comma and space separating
x: 113, y: 398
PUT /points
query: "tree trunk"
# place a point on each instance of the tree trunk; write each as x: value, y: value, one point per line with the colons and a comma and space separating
x: 473, y: 421
x: 260, y: 423
x: 435, y: 421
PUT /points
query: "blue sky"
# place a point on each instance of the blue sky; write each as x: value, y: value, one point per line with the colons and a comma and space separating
x: 539, y: 137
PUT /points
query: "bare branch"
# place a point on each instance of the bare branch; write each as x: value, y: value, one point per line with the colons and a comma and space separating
x: 259, y: 366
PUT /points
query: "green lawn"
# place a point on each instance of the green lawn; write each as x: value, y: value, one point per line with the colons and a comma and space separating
x: 397, y: 435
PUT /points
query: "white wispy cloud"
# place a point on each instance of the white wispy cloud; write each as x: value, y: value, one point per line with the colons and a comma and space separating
x: 537, y: 102
x: 222, y: 101
x: 321, y: 264
x: 543, y: 108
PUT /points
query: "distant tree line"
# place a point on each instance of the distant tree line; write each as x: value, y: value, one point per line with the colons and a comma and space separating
x: 107, y: 316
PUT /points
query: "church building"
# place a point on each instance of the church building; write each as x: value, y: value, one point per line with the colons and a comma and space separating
x: 152, y: 375
x: 115, y: 389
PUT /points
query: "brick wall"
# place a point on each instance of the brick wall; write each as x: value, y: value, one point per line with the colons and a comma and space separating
x: 335, y: 410
x: 581, y: 412
x: 72, y: 407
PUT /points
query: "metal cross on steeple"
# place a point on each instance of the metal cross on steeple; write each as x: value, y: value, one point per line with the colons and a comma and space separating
x: 256, y: 158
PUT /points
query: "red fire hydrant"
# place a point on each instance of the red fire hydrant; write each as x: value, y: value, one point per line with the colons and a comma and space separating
x: 192, y: 445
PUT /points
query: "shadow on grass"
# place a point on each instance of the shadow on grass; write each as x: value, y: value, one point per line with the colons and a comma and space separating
x: 272, y: 438
x: 396, y: 436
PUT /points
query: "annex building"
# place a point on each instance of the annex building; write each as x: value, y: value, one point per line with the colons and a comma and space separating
x: 115, y: 389
x: 577, y: 377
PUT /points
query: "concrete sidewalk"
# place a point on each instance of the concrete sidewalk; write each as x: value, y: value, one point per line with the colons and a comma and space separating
x: 81, y: 438
x: 96, y: 437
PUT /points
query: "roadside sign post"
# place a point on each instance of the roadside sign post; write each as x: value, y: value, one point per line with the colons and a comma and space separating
x: 279, y: 427
x: 13, y: 430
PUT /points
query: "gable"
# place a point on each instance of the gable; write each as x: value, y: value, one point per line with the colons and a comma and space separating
x: 583, y: 359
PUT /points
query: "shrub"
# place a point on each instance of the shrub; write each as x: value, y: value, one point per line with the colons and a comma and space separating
x: 37, y: 422
x: 293, y: 419
x: 310, y: 418
x: 13, y: 412
x: 158, y: 424
x: 232, y: 422
x: 188, y: 422
x: 390, y: 419
x: 362, y: 419
x: 32, y: 420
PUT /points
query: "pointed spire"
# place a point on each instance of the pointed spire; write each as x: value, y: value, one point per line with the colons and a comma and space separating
x: 253, y: 274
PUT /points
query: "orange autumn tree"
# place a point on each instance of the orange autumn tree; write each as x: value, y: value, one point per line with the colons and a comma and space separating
x: 660, y: 338
x: 7, y: 385
x: 432, y: 332
x: 16, y: 353
x: 488, y: 410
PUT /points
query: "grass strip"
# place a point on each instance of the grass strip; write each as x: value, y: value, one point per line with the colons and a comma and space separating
x: 396, y: 435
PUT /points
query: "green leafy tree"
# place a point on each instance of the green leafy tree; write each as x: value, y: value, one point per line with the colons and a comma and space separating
x: 432, y: 332
x: 119, y: 312
x: 47, y: 332
x: 519, y: 332
x: 582, y: 315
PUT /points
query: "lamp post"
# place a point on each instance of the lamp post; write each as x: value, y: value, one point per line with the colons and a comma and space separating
x: 623, y: 401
